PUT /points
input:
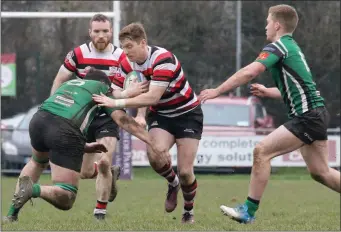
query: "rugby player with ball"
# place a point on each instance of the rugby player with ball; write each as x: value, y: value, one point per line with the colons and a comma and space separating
x: 174, y: 115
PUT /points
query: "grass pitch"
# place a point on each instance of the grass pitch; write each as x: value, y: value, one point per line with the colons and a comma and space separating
x: 292, y: 201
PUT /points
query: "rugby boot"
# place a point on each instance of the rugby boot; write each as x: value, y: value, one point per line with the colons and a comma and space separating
x: 172, y: 198
x: 115, y: 171
x: 239, y: 214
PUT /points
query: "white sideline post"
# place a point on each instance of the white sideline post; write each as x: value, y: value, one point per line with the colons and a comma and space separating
x: 44, y: 14
x: 115, y: 15
x: 116, y: 22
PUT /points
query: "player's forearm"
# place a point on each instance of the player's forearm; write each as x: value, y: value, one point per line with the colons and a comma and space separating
x: 141, y: 112
x: 122, y: 94
x: 119, y: 94
x: 130, y: 125
x: 241, y: 77
x: 143, y: 100
x: 273, y: 93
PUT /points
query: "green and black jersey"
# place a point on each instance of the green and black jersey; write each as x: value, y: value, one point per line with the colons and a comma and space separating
x: 292, y: 76
x: 73, y: 101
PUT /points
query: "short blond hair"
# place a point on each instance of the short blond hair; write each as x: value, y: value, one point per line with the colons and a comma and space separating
x: 134, y: 32
x: 286, y: 15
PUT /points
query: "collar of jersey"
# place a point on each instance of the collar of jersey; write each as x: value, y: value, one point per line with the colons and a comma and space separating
x: 287, y: 34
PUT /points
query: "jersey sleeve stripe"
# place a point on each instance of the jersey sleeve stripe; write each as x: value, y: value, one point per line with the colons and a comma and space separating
x: 148, y: 72
x: 70, y: 61
x: 164, y: 60
x: 122, y: 56
x: 273, y: 49
x: 69, y: 67
x: 159, y: 83
x: 162, y: 56
x: 163, y: 74
x: 118, y: 82
x: 279, y: 47
x: 125, y: 66
x: 283, y: 46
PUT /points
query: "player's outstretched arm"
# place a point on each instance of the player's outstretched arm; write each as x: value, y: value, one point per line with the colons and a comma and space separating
x: 241, y: 77
x: 62, y: 76
x: 260, y: 90
x: 130, y: 125
x: 152, y: 97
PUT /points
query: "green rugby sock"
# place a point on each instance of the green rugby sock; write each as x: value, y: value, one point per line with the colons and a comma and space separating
x: 252, y: 207
x: 35, y: 193
x: 40, y: 161
x: 36, y: 190
x: 12, y: 211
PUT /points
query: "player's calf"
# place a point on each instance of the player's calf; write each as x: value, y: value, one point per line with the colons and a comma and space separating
x: 188, y: 192
x: 330, y: 178
x: 64, y: 196
x: 103, y: 186
x: 61, y: 195
x: 173, y: 186
x: 316, y: 158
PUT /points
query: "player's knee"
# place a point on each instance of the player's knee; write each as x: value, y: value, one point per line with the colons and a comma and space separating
x: 156, y: 150
x: 318, y: 176
x: 86, y: 173
x: 258, y: 150
x: 153, y: 163
x: 259, y: 154
x: 66, y: 199
x: 186, y: 175
x: 152, y: 157
x: 103, y: 166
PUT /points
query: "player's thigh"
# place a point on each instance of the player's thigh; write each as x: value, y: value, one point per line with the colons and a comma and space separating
x: 186, y: 152
x: 67, y: 146
x: 38, y: 130
x: 316, y: 156
x: 64, y: 175
x: 278, y: 142
x: 110, y: 144
x: 66, y: 156
x: 310, y: 126
x: 103, y: 129
x: 188, y: 129
x: 160, y: 131
x: 164, y: 141
x: 87, y: 168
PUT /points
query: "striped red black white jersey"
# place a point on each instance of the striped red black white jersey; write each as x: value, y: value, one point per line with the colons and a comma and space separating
x: 81, y: 58
x: 162, y: 68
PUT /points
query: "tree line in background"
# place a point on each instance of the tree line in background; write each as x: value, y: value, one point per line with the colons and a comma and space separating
x: 202, y: 34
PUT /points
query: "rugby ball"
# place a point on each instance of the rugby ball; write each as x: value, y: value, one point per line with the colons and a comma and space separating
x: 134, y: 75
